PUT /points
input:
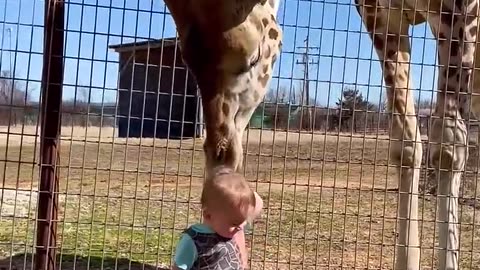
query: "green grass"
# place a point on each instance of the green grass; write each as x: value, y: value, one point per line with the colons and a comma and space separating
x: 100, y: 227
x: 122, y: 206
x: 331, y: 229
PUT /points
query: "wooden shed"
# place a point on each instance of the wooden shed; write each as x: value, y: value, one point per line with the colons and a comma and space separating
x: 158, y: 97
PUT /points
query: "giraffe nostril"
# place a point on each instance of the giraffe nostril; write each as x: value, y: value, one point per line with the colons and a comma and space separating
x: 221, y: 148
x: 220, y: 155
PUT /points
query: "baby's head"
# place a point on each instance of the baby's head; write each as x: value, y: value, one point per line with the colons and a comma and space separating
x: 228, y: 202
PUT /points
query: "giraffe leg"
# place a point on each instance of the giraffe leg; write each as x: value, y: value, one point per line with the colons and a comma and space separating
x: 389, y: 32
x: 448, y: 133
x: 241, y: 121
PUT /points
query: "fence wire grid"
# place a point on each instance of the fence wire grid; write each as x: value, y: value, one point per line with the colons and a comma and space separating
x: 131, y: 161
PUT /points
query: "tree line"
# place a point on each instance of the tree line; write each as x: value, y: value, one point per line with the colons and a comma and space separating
x: 18, y: 108
x: 352, y: 112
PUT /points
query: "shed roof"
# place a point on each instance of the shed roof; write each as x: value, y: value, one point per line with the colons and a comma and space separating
x: 143, y: 45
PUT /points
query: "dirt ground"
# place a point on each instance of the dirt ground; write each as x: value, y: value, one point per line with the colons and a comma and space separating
x: 275, y: 157
x: 330, y: 200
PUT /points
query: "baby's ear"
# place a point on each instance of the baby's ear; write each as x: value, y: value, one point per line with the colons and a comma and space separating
x: 257, y: 210
x: 206, y: 213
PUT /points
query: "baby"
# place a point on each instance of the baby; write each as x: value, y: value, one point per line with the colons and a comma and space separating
x: 218, y: 243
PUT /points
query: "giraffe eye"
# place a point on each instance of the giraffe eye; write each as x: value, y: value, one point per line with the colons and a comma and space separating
x: 252, y: 63
x: 255, y: 61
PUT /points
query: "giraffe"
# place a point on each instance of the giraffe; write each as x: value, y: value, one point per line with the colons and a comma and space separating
x: 231, y: 47
x: 454, y: 24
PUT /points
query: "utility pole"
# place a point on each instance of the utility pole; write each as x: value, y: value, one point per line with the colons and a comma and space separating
x: 306, y: 83
x: 9, y: 31
x: 1, y: 47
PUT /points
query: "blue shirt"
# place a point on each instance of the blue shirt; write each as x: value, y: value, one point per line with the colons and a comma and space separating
x: 186, y: 252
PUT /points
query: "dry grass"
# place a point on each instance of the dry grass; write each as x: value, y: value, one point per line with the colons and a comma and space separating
x: 330, y: 200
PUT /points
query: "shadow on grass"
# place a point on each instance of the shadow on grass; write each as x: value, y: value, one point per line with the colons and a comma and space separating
x: 67, y: 261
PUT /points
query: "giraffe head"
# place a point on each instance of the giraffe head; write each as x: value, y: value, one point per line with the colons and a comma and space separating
x: 230, y: 46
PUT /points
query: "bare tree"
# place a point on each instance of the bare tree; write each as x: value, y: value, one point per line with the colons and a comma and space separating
x: 12, y: 99
x: 83, y: 94
x: 280, y: 96
x: 75, y: 110
x: 424, y: 104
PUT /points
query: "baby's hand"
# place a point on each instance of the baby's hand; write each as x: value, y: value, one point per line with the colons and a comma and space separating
x: 239, y: 238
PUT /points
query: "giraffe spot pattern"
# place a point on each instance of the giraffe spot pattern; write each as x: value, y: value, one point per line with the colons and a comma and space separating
x: 390, y: 54
x: 265, y: 22
x: 378, y: 42
x: 389, y: 79
x: 225, y: 108
x: 441, y: 38
x: 370, y: 21
x: 258, y: 24
x: 472, y: 22
x: 263, y: 79
x: 452, y: 71
x: 473, y: 30
x: 265, y: 68
x: 453, y: 48
x: 273, y: 34
x: 459, y: 3
x: 446, y: 17
x: 389, y: 65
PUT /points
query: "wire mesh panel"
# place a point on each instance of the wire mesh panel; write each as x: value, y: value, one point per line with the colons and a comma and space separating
x: 317, y: 149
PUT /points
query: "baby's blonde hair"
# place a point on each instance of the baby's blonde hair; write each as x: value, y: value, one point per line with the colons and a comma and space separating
x: 227, y: 190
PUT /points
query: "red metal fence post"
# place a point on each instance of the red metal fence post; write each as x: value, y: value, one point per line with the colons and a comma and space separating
x: 52, y: 83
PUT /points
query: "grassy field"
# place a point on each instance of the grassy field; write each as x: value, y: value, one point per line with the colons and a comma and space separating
x: 330, y: 201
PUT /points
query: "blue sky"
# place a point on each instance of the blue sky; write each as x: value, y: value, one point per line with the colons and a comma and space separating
x: 345, y: 55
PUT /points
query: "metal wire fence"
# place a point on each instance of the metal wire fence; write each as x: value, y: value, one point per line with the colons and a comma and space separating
x: 130, y: 158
